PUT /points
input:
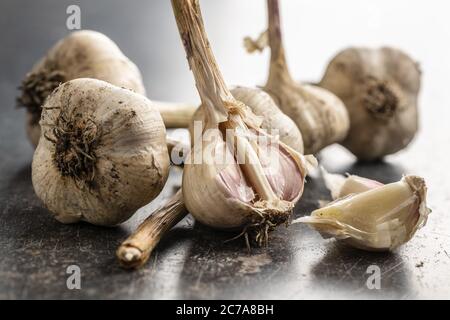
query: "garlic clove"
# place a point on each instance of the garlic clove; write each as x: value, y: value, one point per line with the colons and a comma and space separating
x: 341, y: 186
x: 379, y: 219
x: 380, y: 90
x: 102, y: 153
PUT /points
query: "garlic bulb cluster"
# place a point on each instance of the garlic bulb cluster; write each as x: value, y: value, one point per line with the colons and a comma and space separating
x: 102, y: 153
x: 262, y: 105
x: 82, y: 54
x: 380, y: 89
x: 372, y: 216
x: 321, y: 116
x: 230, y: 180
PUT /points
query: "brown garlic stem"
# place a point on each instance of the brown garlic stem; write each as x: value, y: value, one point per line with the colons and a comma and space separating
x: 210, y: 83
x: 135, y: 251
x: 175, y: 115
x: 278, y: 65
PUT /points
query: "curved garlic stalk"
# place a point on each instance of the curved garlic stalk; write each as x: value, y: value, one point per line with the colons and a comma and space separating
x: 135, y: 251
x: 175, y: 115
x: 321, y: 117
x: 230, y: 181
x: 378, y: 219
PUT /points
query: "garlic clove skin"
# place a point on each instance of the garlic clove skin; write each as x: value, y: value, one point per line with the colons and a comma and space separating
x: 380, y: 89
x: 81, y: 54
x: 102, y: 153
x: 341, y: 186
x: 262, y: 105
x: 380, y: 219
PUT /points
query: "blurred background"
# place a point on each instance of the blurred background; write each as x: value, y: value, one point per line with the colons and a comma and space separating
x: 314, y: 31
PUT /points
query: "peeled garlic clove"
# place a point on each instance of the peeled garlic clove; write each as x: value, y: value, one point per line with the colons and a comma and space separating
x: 102, y: 153
x: 82, y: 54
x: 379, y: 219
x: 380, y: 90
x: 341, y: 186
x: 273, y: 120
x: 321, y: 116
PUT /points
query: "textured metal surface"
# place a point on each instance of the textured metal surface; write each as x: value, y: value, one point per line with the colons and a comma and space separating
x: 193, y: 261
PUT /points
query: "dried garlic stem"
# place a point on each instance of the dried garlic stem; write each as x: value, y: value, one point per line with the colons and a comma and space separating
x: 278, y: 66
x: 216, y: 97
x: 135, y: 251
x: 175, y: 115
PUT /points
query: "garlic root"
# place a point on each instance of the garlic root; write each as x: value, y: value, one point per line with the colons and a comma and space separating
x: 379, y: 219
x: 380, y: 90
x: 82, y: 54
x: 135, y: 251
x: 102, y: 153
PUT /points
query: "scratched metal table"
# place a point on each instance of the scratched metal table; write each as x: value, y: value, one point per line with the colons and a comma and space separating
x: 193, y: 261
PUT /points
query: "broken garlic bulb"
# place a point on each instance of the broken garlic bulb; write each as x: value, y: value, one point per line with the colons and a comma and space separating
x: 81, y: 54
x: 230, y: 179
x: 321, y: 116
x: 379, y: 219
x: 102, y: 153
x: 274, y: 121
x: 380, y: 89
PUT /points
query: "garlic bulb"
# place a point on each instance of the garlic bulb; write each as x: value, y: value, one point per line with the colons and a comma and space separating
x: 379, y: 88
x: 82, y: 54
x: 379, y: 219
x: 262, y: 105
x: 321, y: 116
x: 230, y: 180
x: 102, y: 153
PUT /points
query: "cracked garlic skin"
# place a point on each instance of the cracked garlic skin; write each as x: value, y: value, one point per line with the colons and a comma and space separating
x: 273, y: 119
x: 81, y: 54
x: 379, y: 219
x: 102, y: 153
x: 237, y: 176
x: 321, y: 116
x: 380, y: 89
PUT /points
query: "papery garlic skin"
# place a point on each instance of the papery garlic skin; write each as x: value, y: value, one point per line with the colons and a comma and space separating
x: 341, y: 186
x: 380, y: 89
x: 126, y: 164
x: 273, y: 120
x: 81, y: 54
x: 380, y: 219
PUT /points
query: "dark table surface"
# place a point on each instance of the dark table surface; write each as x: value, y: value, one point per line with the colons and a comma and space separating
x: 193, y: 261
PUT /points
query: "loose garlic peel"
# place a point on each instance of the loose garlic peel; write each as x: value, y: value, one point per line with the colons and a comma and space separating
x: 82, y: 54
x: 273, y: 120
x: 102, y: 153
x: 233, y: 194
x: 380, y: 90
x: 321, y: 116
x: 379, y: 219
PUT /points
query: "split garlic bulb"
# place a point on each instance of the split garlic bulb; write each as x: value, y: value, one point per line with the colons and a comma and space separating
x: 230, y: 179
x: 102, y: 153
x: 381, y: 218
x: 321, y: 116
x: 81, y: 54
x: 273, y: 120
x: 380, y: 90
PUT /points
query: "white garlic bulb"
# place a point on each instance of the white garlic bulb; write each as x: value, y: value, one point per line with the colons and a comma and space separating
x: 81, y: 54
x: 233, y: 183
x: 102, y: 153
x: 273, y: 120
x: 379, y: 219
